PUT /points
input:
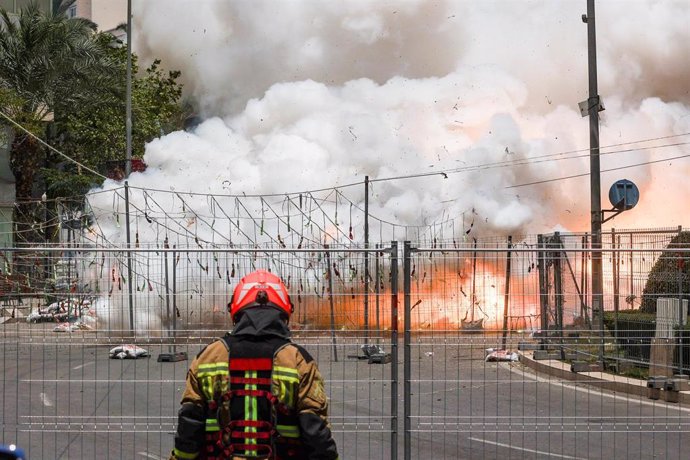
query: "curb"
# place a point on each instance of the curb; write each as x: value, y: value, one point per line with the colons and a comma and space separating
x: 601, y: 380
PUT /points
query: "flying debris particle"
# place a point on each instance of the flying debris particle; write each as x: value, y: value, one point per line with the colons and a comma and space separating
x: 354, y: 136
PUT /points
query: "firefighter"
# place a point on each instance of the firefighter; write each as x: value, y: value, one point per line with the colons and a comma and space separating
x: 254, y: 393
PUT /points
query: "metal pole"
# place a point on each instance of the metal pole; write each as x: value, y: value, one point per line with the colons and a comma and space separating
x: 394, y: 350
x: 558, y: 282
x: 543, y: 293
x: 474, y: 282
x: 167, y: 291
x: 507, y: 294
x: 128, y: 109
x: 377, y: 289
x: 366, y: 259
x: 615, y: 270
x: 129, y: 261
x: 681, y: 329
x: 330, y: 300
x: 407, y: 358
x: 174, y: 299
x: 595, y: 174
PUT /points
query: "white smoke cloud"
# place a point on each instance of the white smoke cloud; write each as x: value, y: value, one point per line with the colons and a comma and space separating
x: 315, y: 94
x: 302, y: 95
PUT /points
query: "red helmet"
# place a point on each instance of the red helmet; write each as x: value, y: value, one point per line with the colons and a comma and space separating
x: 260, y: 288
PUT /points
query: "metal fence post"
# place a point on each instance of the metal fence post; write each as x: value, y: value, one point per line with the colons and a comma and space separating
x: 330, y: 301
x: 407, y: 388
x: 129, y: 262
x: 394, y: 349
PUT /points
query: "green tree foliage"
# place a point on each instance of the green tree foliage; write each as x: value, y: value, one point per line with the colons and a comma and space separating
x: 48, y: 63
x: 95, y: 133
x: 58, y: 72
x: 670, y: 275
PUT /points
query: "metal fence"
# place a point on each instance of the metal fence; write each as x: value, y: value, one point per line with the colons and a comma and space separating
x: 63, y: 397
x: 467, y: 312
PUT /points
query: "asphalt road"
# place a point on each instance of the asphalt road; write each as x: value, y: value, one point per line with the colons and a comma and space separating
x: 62, y: 398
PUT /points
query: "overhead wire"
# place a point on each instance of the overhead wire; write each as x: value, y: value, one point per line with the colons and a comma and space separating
x: 50, y: 147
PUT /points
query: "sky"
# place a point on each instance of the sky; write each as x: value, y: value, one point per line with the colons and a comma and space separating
x: 303, y: 95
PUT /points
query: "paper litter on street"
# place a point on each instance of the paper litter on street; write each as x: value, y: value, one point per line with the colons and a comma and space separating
x: 128, y: 352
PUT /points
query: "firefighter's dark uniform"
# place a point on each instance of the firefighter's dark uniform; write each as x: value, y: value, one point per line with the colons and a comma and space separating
x: 254, y: 394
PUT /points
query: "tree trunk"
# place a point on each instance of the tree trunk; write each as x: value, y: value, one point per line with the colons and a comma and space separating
x: 26, y: 157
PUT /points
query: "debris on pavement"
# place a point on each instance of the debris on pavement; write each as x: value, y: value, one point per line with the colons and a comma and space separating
x: 71, y: 327
x: 128, y: 352
x: 61, y: 311
x: 375, y: 354
x: 493, y: 356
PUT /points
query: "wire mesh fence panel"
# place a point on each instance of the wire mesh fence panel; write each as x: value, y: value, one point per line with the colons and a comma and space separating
x: 65, y: 393
x: 493, y: 384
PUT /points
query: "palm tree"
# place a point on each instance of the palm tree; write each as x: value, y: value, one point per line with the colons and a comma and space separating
x: 48, y: 63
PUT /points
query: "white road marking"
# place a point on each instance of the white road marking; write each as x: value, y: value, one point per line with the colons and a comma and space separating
x: 83, y: 365
x: 45, y: 400
x: 147, y: 455
x: 532, y: 451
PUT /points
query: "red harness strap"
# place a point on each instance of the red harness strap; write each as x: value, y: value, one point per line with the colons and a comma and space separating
x: 251, y: 364
x: 250, y: 381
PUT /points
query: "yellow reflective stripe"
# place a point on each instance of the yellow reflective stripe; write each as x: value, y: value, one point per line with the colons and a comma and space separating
x: 250, y: 411
x: 213, y: 366
x: 288, y: 431
x: 212, y: 373
x: 212, y: 424
x: 286, y: 371
x: 286, y: 378
x: 184, y: 455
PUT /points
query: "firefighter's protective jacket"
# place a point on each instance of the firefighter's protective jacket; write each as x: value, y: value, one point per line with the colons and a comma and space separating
x: 294, y: 395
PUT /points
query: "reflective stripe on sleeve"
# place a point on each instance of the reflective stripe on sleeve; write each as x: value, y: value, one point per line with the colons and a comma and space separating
x: 286, y: 373
x: 212, y: 369
x: 288, y: 431
x: 212, y: 425
x: 185, y: 455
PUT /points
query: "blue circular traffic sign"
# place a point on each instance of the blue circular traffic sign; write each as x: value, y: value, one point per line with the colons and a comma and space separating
x: 624, y: 195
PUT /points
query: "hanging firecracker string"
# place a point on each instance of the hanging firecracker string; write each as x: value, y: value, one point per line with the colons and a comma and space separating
x: 288, y: 215
x: 336, y: 208
x: 262, y: 217
x: 204, y: 268
x: 351, y: 234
